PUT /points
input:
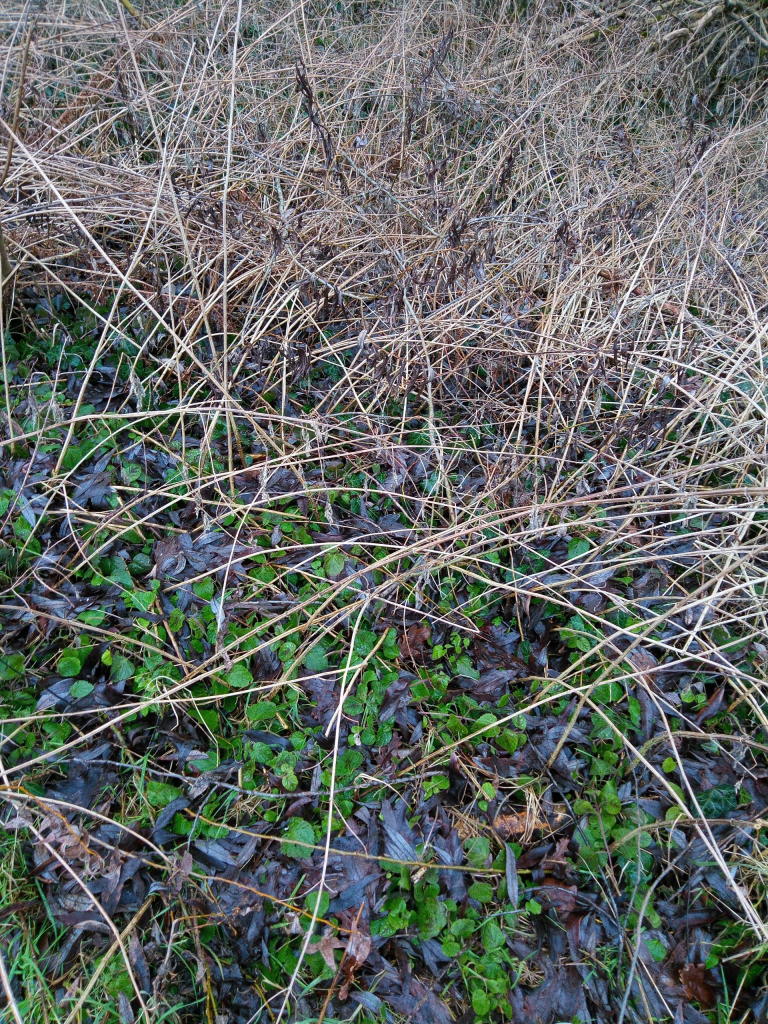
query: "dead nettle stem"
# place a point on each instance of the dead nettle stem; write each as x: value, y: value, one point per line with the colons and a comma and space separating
x: 231, y: 424
x: 6, y: 268
x: 17, y: 106
x: 304, y: 86
x: 418, y: 94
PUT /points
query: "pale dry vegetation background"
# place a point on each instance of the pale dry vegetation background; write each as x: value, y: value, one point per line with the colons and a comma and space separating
x: 383, y: 511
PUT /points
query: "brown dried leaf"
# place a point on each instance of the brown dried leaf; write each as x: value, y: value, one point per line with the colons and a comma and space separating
x: 414, y: 641
x: 523, y: 823
x: 643, y: 663
x: 696, y: 987
x: 325, y: 946
x: 358, y: 950
x: 553, y: 895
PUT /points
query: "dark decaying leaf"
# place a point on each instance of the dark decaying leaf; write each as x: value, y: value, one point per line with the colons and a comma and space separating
x: 413, y: 643
x: 697, y: 987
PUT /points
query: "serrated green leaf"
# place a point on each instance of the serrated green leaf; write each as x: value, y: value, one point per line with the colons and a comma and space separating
x: 12, y: 666
x: 80, y: 688
x: 431, y: 918
x: 122, y: 668
x: 261, y: 712
x: 609, y: 799
x: 333, y: 563
x: 238, y: 676
x: 578, y: 547
x: 477, y: 849
x: 160, y: 794
x: 301, y: 836
x: 70, y: 663
x: 493, y: 937
x: 316, y: 660
x: 482, y: 892
x: 261, y: 753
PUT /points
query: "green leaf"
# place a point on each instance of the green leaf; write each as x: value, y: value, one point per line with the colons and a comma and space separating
x: 119, y: 573
x: 263, y: 573
x: 477, y: 849
x: 238, y: 676
x: 463, y: 928
x: 299, y: 831
x: 718, y: 802
x: 70, y: 662
x: 609, y: 799
x: 261, y: 753
x: 12, y: 666
x: 209, y: 717
x: 92, y: 616
x: 57, y: 732
x: 465, y: 668
x: 482, y: 892
x: 365, y: 641
x: 286, y: 651
x: 160, y: 794
x: 333, y: 563
x: 481, y: 1004
x: 657, y: 949
x: 493, y: 937
x: 176, y: 620
x: 578, y: 547
x: 316, y: 660
x: 324, y: 903
x: 204, y: 589
x: 207, y: 763
x: 605, y: 693
x: 122, y: 668
x: 261, y: 712
x: 389, y: 648
x: 533, y: 907
x: 431, y: 918
x: 81, y: 688
x: 141, y: 600
x: 180, y: 825
x: 669, y: 764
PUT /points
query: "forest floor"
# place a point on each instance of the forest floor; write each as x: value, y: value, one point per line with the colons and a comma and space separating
x: 383, y: 536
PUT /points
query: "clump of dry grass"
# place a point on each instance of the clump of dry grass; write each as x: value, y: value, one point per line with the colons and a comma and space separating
x: 313, y: 233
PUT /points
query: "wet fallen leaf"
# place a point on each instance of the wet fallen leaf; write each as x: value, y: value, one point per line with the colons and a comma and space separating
x: 553, y: 895
x: 414, y: 641
x: 696, y: 986
x: 358, y: 949
x: 523, y: 823
x: 326, y: 946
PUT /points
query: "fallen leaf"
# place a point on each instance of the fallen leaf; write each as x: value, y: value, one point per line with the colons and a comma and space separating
x: 325, y: 946
x: 358, y: 950
x: 414, y: 641
x: 553, y: 895
x: 523, y: 823
x: 696, y: 986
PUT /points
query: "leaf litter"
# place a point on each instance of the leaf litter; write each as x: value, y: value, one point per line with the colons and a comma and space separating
x: 382, y: 629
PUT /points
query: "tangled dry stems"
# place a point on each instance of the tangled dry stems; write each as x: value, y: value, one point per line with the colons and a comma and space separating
x: 546, y: 226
